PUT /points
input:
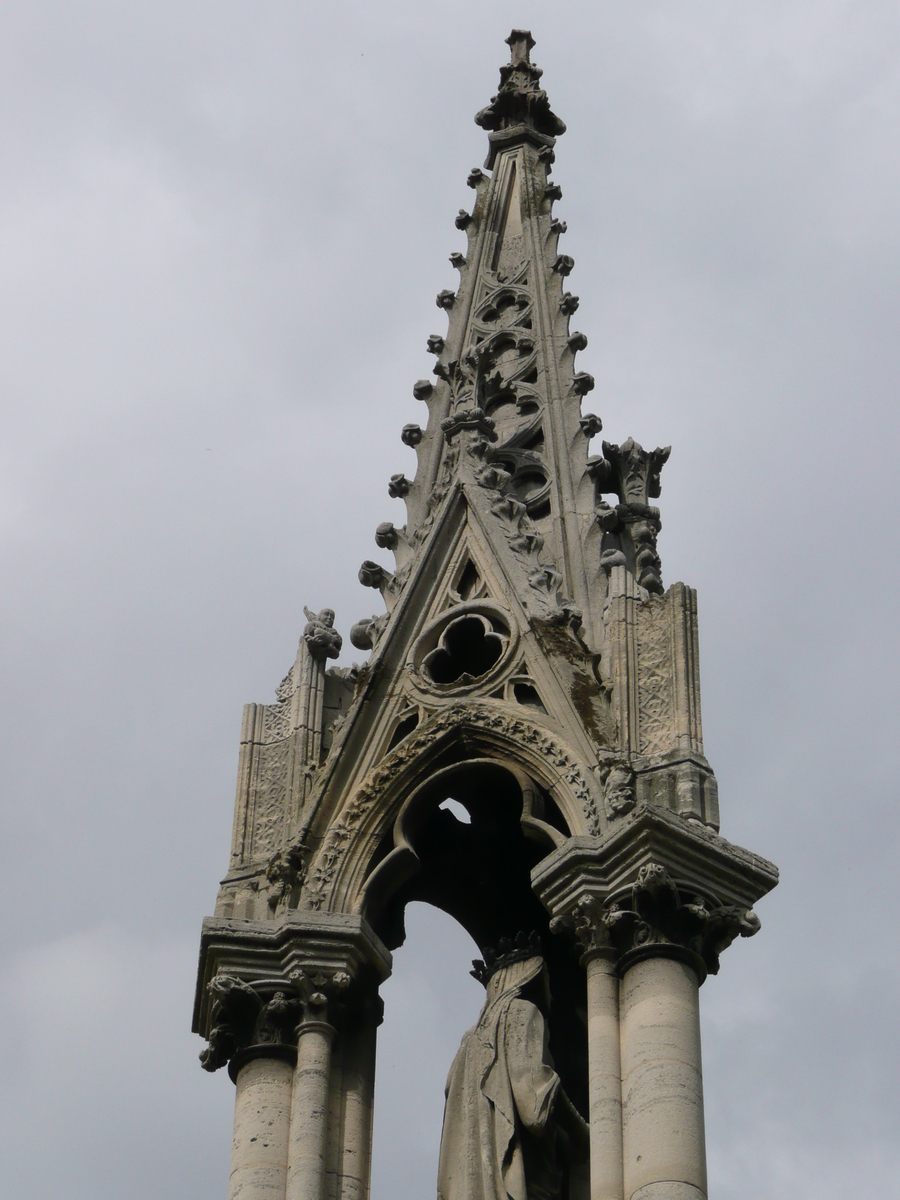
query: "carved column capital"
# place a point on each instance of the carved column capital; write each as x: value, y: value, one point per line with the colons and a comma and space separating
x: 248, y: 1020
x: 656, y: 917
x: 655, y: 885
x: 261, y: 983
x: 319, y: 995
x: 659, y: 918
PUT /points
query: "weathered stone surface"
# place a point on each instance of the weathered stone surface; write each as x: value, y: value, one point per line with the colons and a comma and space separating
x: 529, y: 664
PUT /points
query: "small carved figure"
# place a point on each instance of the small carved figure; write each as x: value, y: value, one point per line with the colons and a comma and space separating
x: 507, y: 1119
x: 321, y: 637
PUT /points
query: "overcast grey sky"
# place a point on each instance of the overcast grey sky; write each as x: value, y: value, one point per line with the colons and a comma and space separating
x: 222, y: 228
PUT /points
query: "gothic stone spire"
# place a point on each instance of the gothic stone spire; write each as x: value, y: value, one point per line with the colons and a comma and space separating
x: 530, y: 665
x: 504, y: 412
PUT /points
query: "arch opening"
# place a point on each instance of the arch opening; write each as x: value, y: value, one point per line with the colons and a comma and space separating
x: 479, y: 873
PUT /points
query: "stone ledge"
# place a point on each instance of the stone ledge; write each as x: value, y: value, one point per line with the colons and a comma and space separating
x: 269, y: 951
x: 694, y: 855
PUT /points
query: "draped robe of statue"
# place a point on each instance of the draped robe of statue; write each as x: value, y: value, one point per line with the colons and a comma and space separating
x: 498, y: 1140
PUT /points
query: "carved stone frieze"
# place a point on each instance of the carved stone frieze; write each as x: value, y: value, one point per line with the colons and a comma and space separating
x: 654, y: 677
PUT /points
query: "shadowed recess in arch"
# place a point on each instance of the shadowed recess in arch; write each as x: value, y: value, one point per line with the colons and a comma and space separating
x: 478, y: 872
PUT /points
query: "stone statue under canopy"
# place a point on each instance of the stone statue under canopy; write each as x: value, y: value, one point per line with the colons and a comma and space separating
x: 510, y: 1130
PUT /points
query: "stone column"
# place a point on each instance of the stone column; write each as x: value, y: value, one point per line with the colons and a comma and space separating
x: 312, y: 1076
x: 309, y: 1112
x: 269, y: 997
x: 664, y: 1147
x: 604, y: 1068
x: 262, y: 1113
x: 655, y: 902
x: 604, y: 1076
x: 357, y: 1110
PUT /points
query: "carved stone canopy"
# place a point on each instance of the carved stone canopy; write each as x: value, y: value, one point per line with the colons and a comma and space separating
x: 529, y: 666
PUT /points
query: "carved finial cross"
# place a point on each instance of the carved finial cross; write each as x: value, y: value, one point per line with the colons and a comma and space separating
x: 520, y: 43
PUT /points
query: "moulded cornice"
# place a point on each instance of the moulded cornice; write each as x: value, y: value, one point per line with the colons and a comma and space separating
x: 696, y: 858
x: 268, y: 952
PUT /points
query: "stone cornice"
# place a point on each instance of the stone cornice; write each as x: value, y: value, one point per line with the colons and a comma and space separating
x: 658, y: 885
x: 301, y: 959
x: 695, y: 857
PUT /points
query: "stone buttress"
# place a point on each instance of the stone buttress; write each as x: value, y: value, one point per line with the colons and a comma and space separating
x: 528, y: 657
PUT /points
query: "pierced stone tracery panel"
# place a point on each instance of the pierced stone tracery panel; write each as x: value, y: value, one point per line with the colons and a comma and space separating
x: 466, y: 647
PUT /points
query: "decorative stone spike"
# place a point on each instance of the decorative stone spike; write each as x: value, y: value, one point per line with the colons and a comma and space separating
x: 373, y: 575
x: 386, y: 535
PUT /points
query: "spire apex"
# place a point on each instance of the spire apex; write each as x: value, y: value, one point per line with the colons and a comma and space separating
x: 520, y: 44
x: 520, y: 100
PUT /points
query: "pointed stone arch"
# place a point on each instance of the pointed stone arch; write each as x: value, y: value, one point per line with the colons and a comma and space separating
x: 458, y: 733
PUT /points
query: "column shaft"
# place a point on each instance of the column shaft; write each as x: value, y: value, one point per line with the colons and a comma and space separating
x: 358, y: 1111
x: 262, y: 1112
x: 309, y: 1112
x: 664, y: 1145
x: 605, y: 1082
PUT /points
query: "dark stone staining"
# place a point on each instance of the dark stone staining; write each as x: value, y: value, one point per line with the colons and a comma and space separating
x: 586, y: 694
